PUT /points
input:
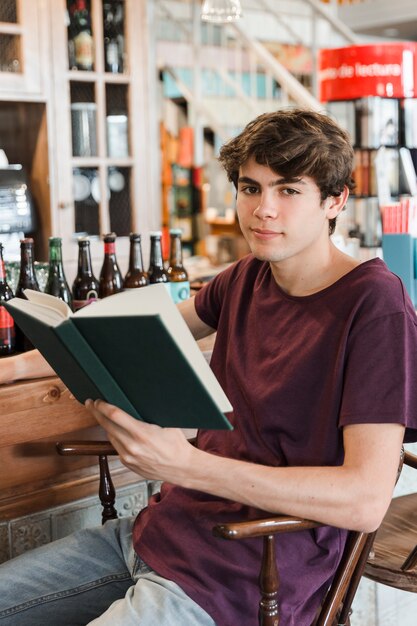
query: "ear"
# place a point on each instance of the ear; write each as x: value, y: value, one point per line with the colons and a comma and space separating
x: 336, y: 204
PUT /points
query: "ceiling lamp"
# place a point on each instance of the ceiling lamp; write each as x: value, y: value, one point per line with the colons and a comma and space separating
x: 221, y: 10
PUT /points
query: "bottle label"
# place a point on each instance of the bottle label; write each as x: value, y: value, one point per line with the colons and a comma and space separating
x: 180, y: 291
x: 110, y: 248
x: 91, y: 297
x: 2, y: 271
x: 6, y: 320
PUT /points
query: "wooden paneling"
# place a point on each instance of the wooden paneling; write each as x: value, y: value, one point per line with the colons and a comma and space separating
x: 34, y: 416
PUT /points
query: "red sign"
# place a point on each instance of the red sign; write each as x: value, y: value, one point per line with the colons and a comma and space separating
x: 388, y: 70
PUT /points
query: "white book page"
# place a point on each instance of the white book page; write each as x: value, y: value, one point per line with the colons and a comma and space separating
x: 155, y: 300
x: 60, y: 307
x: 45, y: 314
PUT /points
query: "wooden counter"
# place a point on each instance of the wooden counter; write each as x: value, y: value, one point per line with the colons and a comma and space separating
x: 34, y: 415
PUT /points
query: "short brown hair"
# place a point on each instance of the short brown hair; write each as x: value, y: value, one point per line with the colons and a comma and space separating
x: 295, y: 142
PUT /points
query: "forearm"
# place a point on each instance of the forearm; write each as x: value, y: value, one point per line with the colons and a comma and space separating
x: 354, y: 495
x: 337, y: 496
x: 24, y: 366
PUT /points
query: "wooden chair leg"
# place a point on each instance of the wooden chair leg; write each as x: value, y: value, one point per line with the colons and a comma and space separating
x: 106, y: 491
x: 268, y: 584
x: 101, y: 449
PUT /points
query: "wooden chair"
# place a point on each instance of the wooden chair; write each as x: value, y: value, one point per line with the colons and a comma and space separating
x: 388, y: 556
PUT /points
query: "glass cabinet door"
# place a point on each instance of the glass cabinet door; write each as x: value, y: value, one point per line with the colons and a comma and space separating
x: 102, y: 121
x: 99, y: 86
x: 21, y: 53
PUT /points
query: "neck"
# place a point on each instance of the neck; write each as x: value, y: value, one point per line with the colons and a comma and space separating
x: 303, y: 277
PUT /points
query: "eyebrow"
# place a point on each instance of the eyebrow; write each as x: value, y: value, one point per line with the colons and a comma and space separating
x: 274, y: 183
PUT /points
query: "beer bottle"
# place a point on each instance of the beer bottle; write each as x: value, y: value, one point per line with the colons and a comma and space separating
x: 85, y: 285
x: 180, y: 285
x: 7, y: 328
x: 135, y: 276
x: 56, y: 283
x: 27, y: 280
x: 156, y: 271
x: 110, y: 276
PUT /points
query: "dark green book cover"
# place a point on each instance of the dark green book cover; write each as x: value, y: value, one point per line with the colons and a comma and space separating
x: 131, y: 361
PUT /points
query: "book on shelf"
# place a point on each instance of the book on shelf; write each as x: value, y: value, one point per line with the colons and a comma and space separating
x: 133, y: 350
x: 379, y: 121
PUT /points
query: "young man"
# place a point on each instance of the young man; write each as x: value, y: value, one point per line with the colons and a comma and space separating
x: 317, y: 354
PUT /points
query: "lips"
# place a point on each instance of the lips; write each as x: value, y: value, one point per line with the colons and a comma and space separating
x: 265, y: 234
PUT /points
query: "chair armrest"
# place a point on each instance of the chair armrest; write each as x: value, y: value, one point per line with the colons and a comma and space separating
x: 88, y: 448
x: 410, y: 459
x: 263, y: 527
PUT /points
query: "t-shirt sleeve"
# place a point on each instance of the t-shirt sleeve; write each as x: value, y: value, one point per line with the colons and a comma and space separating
x: 210, y: 299
x: 380, y: 384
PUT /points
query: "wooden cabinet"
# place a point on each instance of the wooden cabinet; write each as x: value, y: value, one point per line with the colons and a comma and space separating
x: 104, y: 146
x: 22, y: 48
x: 49, y: 112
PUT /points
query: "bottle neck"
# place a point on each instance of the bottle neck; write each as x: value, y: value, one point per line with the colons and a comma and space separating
x: 110, y: 248
x: 175, y: 257
x: 135, y: 257
x: 27, y: 261
x: 55, y: 255
x: 156, y: 259
x: 84, y: 261
x: 2, y: 271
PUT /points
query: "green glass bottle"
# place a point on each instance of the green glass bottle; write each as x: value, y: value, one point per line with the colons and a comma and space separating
x: 56, y: 283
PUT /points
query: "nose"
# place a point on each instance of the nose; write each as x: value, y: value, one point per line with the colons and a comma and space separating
x: 267, y: 207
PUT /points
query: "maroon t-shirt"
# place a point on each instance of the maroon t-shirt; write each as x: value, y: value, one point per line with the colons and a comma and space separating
x: 296, y: 369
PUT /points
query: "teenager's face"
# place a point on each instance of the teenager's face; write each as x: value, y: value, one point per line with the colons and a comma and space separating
x: 282, y: 218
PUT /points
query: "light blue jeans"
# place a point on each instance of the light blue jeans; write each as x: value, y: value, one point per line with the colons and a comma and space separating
x: 92, y: 577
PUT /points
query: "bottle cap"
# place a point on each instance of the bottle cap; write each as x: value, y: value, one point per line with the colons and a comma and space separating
x: 83, y: 240
x: 135, y: 236
x: 175, y: 231
x: 156, y: 233
x: 109, y: 237
x: 54, y: 241
x: 26, y: 240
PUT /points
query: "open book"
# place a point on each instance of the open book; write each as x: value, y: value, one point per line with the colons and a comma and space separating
x: 132, y: 349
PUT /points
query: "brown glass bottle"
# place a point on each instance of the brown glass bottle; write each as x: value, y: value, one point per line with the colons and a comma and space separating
x: 180, y: 284
x: 135, y: 275
x: 85, y: 285
x: 56, y: 284
x: 27, y: 280
x: 7, y: 327
x: 156, y: 271
x: 110, y: 276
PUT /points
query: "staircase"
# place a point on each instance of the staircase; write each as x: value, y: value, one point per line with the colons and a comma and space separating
x: 228, y: 74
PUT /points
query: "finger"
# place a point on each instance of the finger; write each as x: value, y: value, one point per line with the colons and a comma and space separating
x: 117, y: 434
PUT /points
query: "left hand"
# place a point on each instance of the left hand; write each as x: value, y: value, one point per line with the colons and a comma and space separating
x: 151, y: 451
